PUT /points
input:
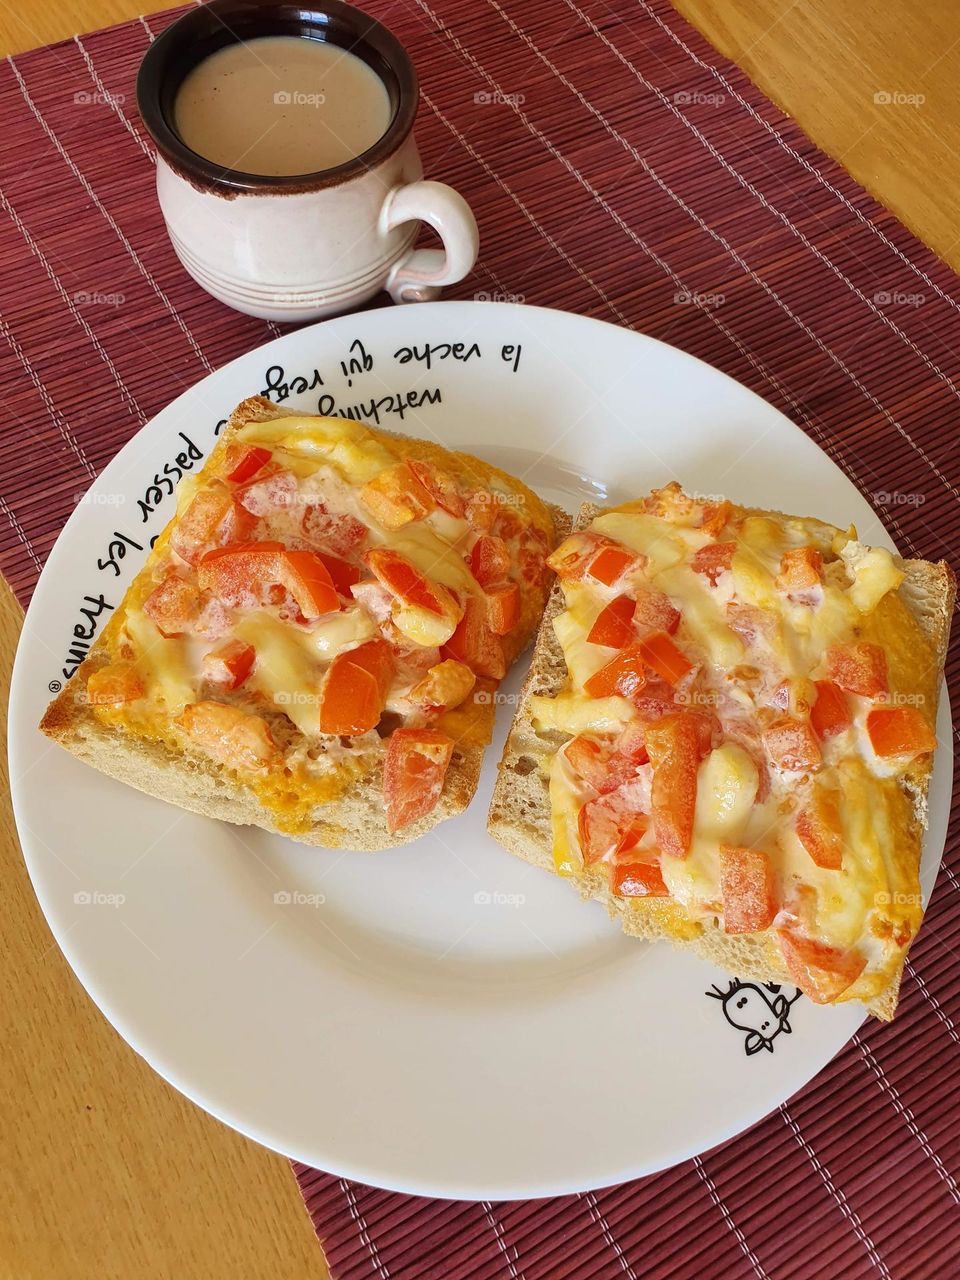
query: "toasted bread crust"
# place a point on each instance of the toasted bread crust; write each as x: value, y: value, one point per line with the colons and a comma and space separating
x: 519, y: 816
x: 355, y: 819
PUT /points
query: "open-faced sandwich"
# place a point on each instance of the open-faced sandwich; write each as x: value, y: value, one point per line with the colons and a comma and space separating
x: 727, y: 737
x: 314, y: 640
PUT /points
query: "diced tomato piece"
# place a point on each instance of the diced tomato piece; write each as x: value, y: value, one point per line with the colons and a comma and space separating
x: 231, y: 736
x: 396, y: 497
x: 611, y: 563
x: 173, y: 606
x: 637, y: 880
x: 481, y: 510
x: 792, y: 744
x: 489, y: 560
x: 229, y: 664
x: 820, y: 971
x: 212, y: 519
x: 820, y: 830
x: 614, y: 624
x: 307, y: 578
x: 355, y: 688
x: 662, y: 656
x: 474, y: 644
x: 440, y: 485
x: 830, y: 713
x: 747, y: 889
x: 340, y: 533
x: 404, y: 580
x: 899, y: 731
x: 414, y: 768
x: 607, y: 766
x: 608, y: 826
x: 624, y: 675
x: 570, y: 559
x: 654, y: 612
x: 269, y: 492
x: 800, y: 569
x: 444, y: 686
x: 713, y: 559
x: 239, y: 574
x: 674, y: 747
x: 243, y: 461
x: 709, y: 730
x: 113, y: 684
x: 716, y: 516
x: 503, y: 608
x: 588, y: 758
x: 858, y: 668
x: 244, y: 573
x: 342, y: 573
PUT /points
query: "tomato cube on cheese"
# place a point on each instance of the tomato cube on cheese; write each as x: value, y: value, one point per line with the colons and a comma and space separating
x: 414, y: 769
x: 173, y: 606
x: 747, y: 889
x: 489, y: 560
x: 396, y: 497
x: 830, y: 712
x: 800, y: 569
x: 713, y: 559
x: 609, y: 825
x: 440, y: 485
x: 626, y: 675
x: 444, y: 686
x: 822, y: 971
x: 820, y: 829
x: 637, y: 880
x: 503, y: 608
x: 229, y: 664
x: 613, y: 626
x: 475, y: 644
x: 792, y: 745
x: 674, y: 747
x: 900, y: 731
x: 213, y: 519
x: 354, y: 689
x: 228, y: 735
x: 859, y: 668
x: 113, y: 684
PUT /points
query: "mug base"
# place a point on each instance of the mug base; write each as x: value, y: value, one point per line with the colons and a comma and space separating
x: 291, y: 305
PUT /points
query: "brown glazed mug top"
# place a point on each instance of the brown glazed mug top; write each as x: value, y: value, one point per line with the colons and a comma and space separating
x: 209, y: 27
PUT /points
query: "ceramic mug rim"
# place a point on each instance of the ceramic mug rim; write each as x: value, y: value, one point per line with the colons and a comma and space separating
x: 209, y: 27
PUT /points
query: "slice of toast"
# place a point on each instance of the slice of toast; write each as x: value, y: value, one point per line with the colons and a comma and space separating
x: 324, y: 789
x: 520, y: 811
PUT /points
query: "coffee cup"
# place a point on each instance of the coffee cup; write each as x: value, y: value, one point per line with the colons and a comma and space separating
x: 298, y: 246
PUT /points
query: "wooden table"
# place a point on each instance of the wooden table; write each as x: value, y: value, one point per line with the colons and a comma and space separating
x: 106, y: 1171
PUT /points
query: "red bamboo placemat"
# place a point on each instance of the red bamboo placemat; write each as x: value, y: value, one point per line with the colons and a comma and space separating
x: 618, y: 167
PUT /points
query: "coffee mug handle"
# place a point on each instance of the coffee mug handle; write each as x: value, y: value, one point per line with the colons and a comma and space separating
x: 421, y: 273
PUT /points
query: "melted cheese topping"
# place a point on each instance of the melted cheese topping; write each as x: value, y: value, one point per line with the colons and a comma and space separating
x: 322, y: 463
x: 875, y: 895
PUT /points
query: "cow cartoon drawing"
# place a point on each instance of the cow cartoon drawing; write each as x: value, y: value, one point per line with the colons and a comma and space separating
x: 759, y: 1009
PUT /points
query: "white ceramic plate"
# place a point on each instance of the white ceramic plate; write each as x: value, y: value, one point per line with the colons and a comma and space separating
x: 443, y: 1018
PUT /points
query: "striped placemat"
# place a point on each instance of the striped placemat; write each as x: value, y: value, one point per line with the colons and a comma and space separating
x: 618, y: 167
